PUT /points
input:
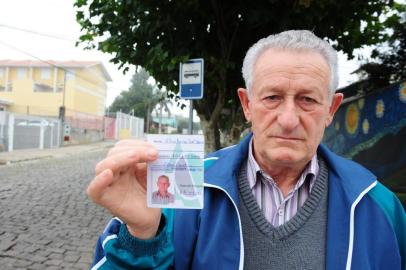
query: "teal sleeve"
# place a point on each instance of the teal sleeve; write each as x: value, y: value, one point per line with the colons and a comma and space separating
x: 125, y: 251
x: 395, y: 213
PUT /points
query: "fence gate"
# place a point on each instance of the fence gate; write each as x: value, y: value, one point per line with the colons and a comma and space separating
x: 24, y: 132
x: 109, y: 127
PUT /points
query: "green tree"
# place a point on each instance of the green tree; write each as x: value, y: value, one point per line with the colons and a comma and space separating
x: 163, y: 105
x: 183, y: 124
x: 159, y: 34
x: 387, y: 61
x: 140, y: 99
x: 389, y: 58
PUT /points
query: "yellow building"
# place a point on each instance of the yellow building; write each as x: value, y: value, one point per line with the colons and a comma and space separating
x: 41, y: 88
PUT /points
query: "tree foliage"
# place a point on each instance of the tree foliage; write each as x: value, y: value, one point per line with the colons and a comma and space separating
x: 159, y: 34
x: 140, y: 99
x: 388, y: 59
x: 391, y: 55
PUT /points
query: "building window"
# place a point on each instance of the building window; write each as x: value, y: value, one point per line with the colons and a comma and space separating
x: 1, y: 72
x: 45, y: 73
x: 41, y: 87
x: 2, y: 88
x: 9, y: 87
x: 21, y: 73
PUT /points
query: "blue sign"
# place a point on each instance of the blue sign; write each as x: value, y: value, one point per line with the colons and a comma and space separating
x: 191, y: 79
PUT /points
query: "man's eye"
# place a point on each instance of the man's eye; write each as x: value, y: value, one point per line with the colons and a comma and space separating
x: 272, y: 98
x: 271, y: 101
x: 308, y: 100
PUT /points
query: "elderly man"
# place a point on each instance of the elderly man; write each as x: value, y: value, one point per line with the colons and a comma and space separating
x: 277, y: 200
x: 162, y: 195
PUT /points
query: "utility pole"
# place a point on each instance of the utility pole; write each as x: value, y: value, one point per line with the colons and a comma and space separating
x: 62, y: 110
x: 191, y: 74
x: 190, y: 129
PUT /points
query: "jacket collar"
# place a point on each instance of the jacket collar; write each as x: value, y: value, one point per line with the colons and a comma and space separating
x: 352, y: 178
x: 223, y: 171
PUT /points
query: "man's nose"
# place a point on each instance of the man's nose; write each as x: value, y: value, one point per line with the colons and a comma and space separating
x: 288, y: 115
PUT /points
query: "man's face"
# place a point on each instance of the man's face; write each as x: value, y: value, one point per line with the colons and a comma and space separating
x: 163, y: 185
x: 288, y: 107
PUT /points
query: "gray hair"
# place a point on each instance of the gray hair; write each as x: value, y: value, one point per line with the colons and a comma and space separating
x: 294, y: 40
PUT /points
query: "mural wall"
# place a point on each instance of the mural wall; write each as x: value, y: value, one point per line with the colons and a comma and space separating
x: 372, y: 131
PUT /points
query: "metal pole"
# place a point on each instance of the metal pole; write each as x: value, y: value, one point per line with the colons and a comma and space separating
x: 191, y: 116
x: 62, y: 111
x: 64, y: 87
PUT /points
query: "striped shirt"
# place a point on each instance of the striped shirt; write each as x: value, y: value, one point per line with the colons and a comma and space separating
x: 277, y: 208
x: 159, y: 199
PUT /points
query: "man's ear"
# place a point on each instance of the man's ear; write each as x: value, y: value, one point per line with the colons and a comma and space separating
x: 335, y: 104
x: 244, y: 99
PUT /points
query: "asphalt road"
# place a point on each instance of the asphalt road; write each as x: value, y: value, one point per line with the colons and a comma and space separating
x: 46, y: 219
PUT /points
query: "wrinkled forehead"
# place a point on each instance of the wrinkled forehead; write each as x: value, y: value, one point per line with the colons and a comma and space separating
x: 278, y: 57
x: 292, y: 64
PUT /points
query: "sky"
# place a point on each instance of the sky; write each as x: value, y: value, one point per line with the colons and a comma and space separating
x: 56, y: 18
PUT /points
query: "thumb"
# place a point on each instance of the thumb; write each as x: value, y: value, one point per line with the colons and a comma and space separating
x: 96, y: 188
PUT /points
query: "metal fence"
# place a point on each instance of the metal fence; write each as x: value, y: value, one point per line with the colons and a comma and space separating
x: 128, y: 126
x: 25, y: 131
x: 3, y: 130
x: 20, y: 131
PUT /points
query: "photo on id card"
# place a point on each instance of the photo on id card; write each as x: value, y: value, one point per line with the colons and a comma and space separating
x: 175, y: 178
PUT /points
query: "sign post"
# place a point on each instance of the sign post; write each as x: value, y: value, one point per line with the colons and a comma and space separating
x: 191, y: 74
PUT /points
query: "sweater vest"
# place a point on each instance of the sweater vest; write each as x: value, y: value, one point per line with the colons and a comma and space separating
x: 299, y: 243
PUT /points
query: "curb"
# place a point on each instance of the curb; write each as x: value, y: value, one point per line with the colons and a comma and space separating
x: 37, y: 154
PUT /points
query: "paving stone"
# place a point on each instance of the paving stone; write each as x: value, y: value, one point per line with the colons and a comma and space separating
x: 36, y: 266
x: 37, y: 258
x: 68, y: 265
x: 53, y: 262
x: 71, y: 258
x: 22, y: 263
x: 80, y: 265
x: 52, y: 267
x: 56, y: 256
x: 47, y: 220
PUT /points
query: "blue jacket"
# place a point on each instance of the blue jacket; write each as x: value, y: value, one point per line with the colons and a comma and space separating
x: 366, y: 224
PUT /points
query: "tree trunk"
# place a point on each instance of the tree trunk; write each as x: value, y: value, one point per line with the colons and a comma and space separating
x: 232, y: 134
x: 148, y: 118
x: 211, y: 135
x: 160, y: 121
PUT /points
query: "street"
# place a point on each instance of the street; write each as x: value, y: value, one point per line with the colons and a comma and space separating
x: 46, y: 219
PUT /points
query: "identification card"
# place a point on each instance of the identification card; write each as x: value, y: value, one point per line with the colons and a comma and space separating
x: 175, y: 179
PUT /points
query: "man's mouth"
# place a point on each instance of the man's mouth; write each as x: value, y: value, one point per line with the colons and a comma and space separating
x: 287, y: 138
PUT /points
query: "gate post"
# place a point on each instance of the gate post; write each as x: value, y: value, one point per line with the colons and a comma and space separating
x: 41, y: 135
x: 10, y: 132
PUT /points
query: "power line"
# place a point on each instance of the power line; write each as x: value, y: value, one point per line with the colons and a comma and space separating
x: 52, y: 64
x: 37, y: 33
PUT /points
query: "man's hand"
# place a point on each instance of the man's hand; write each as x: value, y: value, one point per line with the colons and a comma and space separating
x: 120, y: 186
